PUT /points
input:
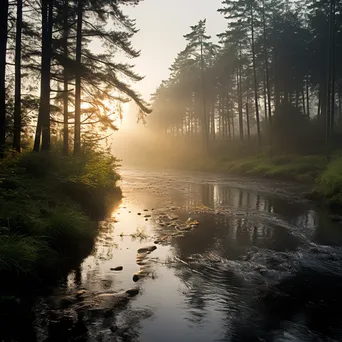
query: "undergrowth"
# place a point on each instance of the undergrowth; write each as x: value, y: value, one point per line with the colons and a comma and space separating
x: 40, y: 223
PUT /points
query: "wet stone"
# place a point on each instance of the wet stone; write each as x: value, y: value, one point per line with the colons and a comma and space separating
x: 132, y: 292
x: 147, y: 249
x: 136, y: 277
x: 117, y: 268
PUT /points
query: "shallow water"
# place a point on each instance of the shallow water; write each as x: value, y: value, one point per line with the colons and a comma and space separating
x: 262, y: 265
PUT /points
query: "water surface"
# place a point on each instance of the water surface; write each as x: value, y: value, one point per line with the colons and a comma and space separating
x: 262, y: 265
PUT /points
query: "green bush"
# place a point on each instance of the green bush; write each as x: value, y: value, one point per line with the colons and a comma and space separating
x: 40, y: 222
x: 330, y: 181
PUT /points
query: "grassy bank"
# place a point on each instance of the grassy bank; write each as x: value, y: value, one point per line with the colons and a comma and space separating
x: 49, y: 205
x: 325, y: 176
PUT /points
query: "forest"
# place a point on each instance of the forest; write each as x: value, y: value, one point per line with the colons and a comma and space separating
x: 54, y: 85
x: 227, y: 225
x: 65, y: 74
x: 269, y: 86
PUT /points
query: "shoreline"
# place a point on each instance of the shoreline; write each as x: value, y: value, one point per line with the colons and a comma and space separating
x: 50, y: 206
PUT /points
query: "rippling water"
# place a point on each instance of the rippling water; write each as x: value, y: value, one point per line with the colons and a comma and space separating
x: 262, y: 265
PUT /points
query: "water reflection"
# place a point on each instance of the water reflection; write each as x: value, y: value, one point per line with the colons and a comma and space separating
x: 210, y: 284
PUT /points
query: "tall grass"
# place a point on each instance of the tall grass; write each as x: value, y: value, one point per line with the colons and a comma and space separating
x: 39, y: 221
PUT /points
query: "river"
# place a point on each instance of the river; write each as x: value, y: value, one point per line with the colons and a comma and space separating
x: 236, y: 260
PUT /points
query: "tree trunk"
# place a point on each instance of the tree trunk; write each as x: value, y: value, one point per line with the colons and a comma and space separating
x: 255, y: 81
x: 213, y: 133
x: 265, y: 98
x: 248, y: 125
x: 330, y: 78
x: 333, y: 48
x: 205, y: 128
x: 238, y: 84
x: 267, y: 74
x: 3, y: 47
x: 17, y: 91
x: 43, y: 122
x: 307, y: 97
x: 303, y: 102
x: 65, y: 80
x: 77, y: 141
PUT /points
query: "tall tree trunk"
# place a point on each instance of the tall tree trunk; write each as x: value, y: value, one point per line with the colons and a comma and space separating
x: 77, y: 141
x: 213, y: 131
x: 238, y: 84
x: 333, y: 58
x: 248, y: 124
x: 307, y: 97
x: 339, y: 103
x: 267, y: 74
x: 255, y: 80
x: 43, y: 122
x: 229, y: 119
x: 265, y: 98
x: 3, y: 47
x: 330, y: 77
x: 65, y: 80
x: 17, y: 92
x: 303, y: 102
x: 205, y: 128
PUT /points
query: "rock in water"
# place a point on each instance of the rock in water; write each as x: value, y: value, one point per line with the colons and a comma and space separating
x: 132, y: 292
x: 117, y: 268
x: 147, y: 249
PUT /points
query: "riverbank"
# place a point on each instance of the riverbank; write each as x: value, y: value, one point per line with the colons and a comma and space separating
x: 322, y: 174
x: 325, y: 176
x: 49, y: 209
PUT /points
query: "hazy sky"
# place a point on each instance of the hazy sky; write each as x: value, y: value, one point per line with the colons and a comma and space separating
x: 162, y: 24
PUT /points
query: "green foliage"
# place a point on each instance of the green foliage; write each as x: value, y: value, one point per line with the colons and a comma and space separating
x: 20, y: 254
x: 69, y: 224
x: 300, y: 168
x: 39, y: 222
x: 330, y: 181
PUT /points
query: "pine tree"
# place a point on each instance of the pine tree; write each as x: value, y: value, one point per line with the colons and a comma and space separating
x: 3, y: 51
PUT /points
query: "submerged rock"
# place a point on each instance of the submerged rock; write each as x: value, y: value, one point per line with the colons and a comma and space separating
x: 117, y: 268
x: 147, y: 249
x: 133, y: 292
x: 136, y: 277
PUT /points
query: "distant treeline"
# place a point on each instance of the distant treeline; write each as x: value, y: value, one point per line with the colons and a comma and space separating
x: 274, y: 79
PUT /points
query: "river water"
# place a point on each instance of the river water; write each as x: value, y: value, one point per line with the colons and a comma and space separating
x: 236, y: 260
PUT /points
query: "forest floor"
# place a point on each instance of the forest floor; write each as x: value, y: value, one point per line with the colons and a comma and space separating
x: 49, y: 209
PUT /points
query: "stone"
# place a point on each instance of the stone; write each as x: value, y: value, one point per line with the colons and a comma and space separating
x: 132, y: 292
x: 147, y: 249
x: 136, y: 277
x: 117, y: 268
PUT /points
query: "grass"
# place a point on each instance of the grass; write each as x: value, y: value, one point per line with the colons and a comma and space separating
x: 325, y: 176
x: 297, y: 168
x: 41, y: 224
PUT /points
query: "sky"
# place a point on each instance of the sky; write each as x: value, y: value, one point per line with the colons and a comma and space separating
x: 162, y: 24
